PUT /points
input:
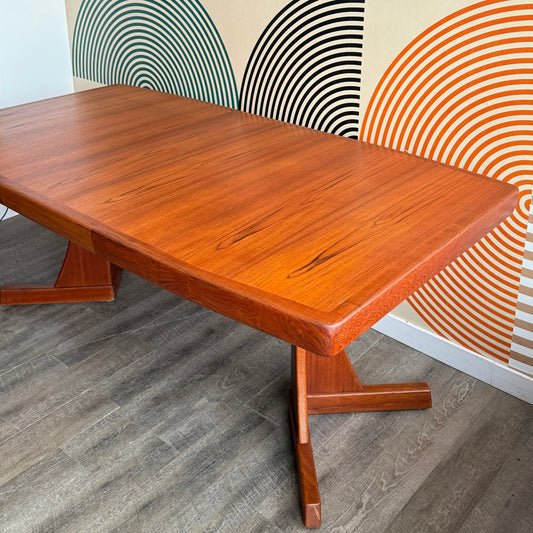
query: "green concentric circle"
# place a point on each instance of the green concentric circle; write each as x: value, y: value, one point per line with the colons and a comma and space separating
x: 170, y: 46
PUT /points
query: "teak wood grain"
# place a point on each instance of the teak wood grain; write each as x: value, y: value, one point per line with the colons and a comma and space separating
x: 304, y: 235
x: 307, y: 236
x: 84, y: 277
x: 323, y: 384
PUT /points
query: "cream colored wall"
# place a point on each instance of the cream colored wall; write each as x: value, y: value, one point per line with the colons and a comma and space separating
x: 240, y: 23
x: 389, y: 27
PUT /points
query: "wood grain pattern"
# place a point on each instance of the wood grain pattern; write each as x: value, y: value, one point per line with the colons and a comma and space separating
x: 298, y: 402
x: 183, y: 450
x: 292, y: 231
x: 282, y: 228
x: 333, y: 387
x: 84, y: 277
x: 305, y: 465
x: 330, y: 385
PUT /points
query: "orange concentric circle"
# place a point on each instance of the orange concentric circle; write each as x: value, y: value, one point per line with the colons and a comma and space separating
x: 462, y: 93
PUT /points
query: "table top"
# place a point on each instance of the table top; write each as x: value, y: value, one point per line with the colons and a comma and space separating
x: 308, y: 236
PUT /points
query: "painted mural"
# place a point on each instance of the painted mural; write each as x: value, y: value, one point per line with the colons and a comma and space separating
x: 306, y: 67
x: 462, y: 93
x: 451, y: 81
x: 162, y: 45
x: 521, y: 354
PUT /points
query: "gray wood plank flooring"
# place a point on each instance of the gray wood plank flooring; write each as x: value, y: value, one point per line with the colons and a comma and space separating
x: 151, y: 414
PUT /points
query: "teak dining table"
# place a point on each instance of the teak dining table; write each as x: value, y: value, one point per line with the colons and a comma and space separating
x: 304, y: 235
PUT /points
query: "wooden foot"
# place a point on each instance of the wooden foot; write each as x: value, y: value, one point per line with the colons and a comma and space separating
x: 84, y: 277
x: 330, y: 385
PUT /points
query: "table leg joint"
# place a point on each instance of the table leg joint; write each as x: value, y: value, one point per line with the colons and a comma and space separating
x: 330, y: 385
x: 84, y: 277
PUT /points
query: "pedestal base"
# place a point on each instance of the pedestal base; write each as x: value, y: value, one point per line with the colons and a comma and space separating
x: 330, y: 385
x: 84, y: 277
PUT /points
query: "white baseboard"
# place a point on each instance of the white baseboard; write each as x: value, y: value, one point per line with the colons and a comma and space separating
x: 492, y: 372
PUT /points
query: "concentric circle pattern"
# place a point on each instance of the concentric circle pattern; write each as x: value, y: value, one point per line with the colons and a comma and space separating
x: 462, y: 93
x: 306, y: 67
x: 166, y: 45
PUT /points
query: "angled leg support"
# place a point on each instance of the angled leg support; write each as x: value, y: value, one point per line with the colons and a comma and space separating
x: 330, y: 385
x: 84, y: 277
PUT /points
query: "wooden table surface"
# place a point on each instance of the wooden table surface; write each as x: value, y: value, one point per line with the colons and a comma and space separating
x: 305, y: 235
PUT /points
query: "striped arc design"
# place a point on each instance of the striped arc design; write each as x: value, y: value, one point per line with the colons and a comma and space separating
x: 306, y: 66
x: 165, y: 45
x: 462, y: 93
x: 521, y: 356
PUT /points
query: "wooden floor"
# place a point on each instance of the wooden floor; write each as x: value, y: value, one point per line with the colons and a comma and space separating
x: 151, y: 414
